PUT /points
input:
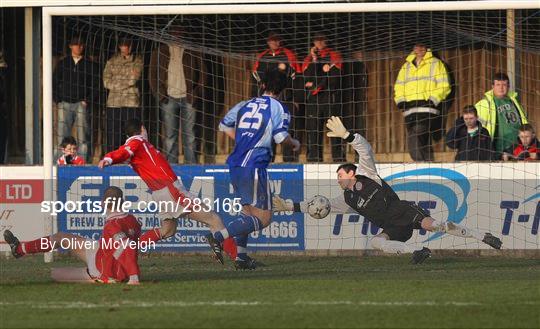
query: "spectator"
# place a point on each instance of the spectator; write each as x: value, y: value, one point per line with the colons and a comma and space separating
x: 176, y: 77
x: 277, y: 57
x: 355, y: 82
x: 120, y: 77
x: 75, y: 85
x: 422, y: 84
x: 69, y: 153
x: 527, y: 146
x: 469, y: 138
x: 501, y: 114
x: 322, y: 70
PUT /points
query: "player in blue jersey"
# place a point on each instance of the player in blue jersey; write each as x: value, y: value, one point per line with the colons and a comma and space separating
x: 254, y: 125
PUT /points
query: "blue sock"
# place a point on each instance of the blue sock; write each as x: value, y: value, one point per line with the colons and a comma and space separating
x: 244, y: 225
x: 241, y: 246
x: 221, y: 235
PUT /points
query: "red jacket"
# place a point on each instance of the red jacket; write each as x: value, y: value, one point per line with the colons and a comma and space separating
x: 313, y: 70
x: 146, y: 161
x: 116, y: 258
x: 520, y: 152
x: 268, y: 60
x: 326, y: 55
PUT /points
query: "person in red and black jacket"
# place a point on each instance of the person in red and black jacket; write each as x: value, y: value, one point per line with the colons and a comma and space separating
x: 527, y: 147
x: 277, y: 57
x: 322, y: 71
x: 469, y: 138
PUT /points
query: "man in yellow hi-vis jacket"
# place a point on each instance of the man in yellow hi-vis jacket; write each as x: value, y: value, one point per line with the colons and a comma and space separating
x: 422, y: 84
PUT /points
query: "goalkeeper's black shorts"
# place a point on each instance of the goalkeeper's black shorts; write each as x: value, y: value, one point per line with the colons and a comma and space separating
x: 404, y: 218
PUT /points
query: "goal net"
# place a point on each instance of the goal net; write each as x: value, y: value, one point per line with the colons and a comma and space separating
x: 181, y: 73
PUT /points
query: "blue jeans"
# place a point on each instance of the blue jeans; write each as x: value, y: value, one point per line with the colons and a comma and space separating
x: 70, y: 114
x: 174, y: 112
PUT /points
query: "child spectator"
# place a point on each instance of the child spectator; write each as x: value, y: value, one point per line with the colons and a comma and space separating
x: 469, y: 138
x: 527, y: 146
x: 69, y: 153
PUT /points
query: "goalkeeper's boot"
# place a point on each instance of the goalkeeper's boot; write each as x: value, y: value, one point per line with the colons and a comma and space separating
x: 216, y: 247
x: 245, y: 263
x: 492, y: 241
x: 13, y: 243
x: 419, y: 256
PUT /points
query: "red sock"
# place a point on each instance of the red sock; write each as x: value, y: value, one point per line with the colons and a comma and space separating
x: 151, y: 236
x: 229, y: 246
x: 35, y: 246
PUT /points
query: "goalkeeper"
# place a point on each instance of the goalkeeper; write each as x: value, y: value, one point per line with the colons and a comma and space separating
x: 367, y: 194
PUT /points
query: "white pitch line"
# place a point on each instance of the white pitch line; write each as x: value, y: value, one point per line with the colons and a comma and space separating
x: 224, y: 303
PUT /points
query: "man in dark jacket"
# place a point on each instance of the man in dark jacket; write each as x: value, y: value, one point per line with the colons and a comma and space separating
x: 471, y: 140
x: 322, y: 72
x: 75, y: 85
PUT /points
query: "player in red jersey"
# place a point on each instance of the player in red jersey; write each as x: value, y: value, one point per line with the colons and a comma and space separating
x: 156, y: 172
x: 111, y: 259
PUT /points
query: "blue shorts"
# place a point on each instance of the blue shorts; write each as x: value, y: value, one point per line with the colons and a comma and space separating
x: 251, y: 186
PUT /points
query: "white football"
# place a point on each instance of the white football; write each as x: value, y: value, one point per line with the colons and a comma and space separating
x: 318, y: 207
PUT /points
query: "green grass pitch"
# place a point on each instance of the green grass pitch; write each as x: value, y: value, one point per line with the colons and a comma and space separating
x: 291, y: 291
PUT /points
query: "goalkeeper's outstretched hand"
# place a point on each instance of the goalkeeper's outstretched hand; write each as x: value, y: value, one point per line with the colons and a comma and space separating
x: 280, y: 204
x: 336, y: 127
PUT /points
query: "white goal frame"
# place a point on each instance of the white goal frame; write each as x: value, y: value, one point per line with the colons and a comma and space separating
x: 202, y: 7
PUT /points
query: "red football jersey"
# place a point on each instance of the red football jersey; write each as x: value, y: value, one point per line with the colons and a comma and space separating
x: 146, y: 160
x: 116, y: 258
x: 75, y: 160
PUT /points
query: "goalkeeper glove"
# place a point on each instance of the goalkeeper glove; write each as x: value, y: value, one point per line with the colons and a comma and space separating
x: 280, y: 204
x: 336, y: 127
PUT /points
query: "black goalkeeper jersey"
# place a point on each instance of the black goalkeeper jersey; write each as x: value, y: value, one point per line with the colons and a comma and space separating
x: 372, y: 200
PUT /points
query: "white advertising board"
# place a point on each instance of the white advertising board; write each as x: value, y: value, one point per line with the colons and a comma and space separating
x: 501, y: 198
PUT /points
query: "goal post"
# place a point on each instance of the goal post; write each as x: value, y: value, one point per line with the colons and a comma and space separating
x: 238, y: 8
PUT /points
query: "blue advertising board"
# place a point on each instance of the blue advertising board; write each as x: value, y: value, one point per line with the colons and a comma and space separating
x: 209, y: 182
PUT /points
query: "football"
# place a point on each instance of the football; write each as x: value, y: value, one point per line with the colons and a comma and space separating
x: 318, y: 207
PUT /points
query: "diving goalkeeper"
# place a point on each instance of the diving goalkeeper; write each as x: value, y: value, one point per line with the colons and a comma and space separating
x: 366, y: 193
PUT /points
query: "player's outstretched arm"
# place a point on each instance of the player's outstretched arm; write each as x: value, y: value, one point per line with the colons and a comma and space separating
x: 366, y: 164
x: 121, y: 155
